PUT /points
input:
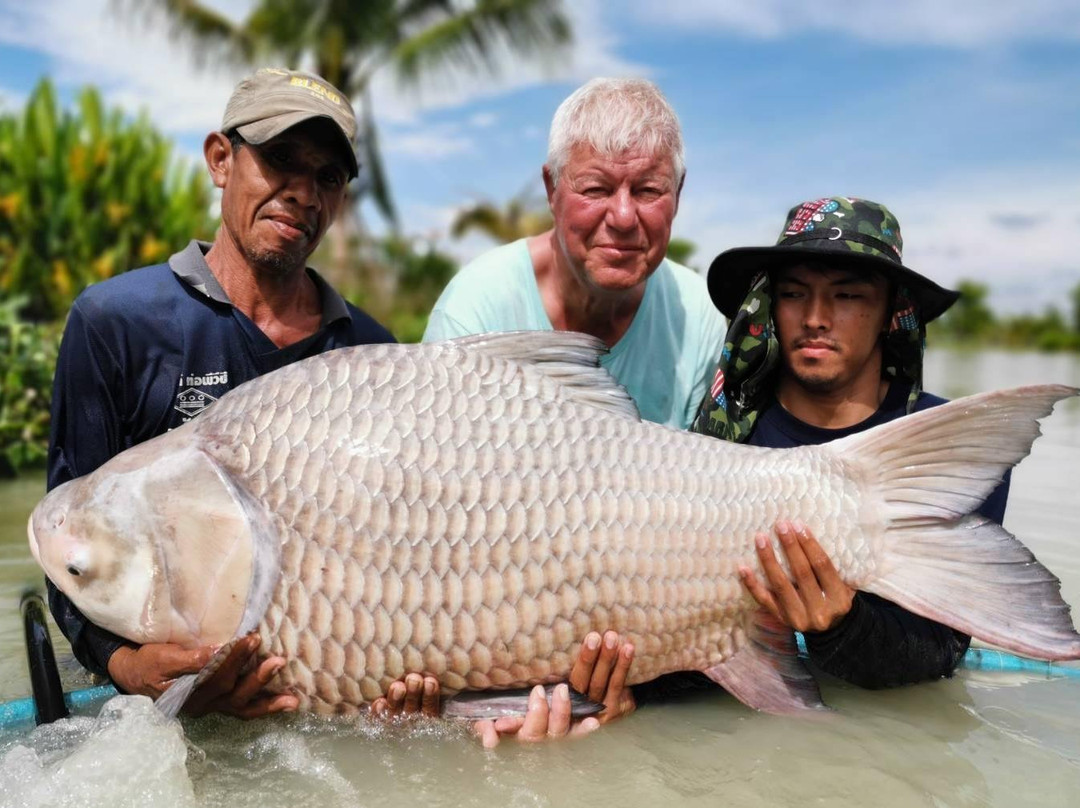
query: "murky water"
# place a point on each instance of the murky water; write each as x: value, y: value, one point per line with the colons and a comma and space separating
x: 979, y: 739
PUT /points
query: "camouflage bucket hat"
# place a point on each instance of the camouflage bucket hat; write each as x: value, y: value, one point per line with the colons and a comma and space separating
x: 840, y: 231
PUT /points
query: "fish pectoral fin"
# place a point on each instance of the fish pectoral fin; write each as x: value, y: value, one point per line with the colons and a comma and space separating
x: 767, y: 674
x: 476, y: 705
x: 173, y: 700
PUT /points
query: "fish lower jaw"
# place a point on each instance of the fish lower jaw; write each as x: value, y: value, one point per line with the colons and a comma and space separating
x: 32, y: 538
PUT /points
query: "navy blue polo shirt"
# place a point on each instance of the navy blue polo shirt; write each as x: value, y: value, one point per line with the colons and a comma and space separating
x: 147, y: 351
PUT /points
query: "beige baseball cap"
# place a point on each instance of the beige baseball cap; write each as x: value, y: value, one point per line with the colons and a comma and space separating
x: 273, y: 99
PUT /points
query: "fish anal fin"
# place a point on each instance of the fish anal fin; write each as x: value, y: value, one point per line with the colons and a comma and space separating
x: 767, y: 674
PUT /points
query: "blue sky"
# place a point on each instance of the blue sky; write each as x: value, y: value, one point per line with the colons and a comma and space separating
x: 962, y: 116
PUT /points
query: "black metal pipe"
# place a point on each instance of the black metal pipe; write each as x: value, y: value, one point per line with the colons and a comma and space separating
x: 44, y: 676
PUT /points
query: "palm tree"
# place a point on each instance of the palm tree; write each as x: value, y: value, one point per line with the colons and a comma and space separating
x: 522, y: 216
x: 348, y: 42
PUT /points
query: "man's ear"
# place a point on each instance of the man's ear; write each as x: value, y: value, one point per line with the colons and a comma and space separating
x: 218, y: 152
x: 549, y: 184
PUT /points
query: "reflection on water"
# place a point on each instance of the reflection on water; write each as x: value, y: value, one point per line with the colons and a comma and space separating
x: 976, y: 740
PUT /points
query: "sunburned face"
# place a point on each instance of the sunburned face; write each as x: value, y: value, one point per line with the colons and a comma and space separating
x: 278, y: 198
x: 613, y: 215
x: 829, y: 323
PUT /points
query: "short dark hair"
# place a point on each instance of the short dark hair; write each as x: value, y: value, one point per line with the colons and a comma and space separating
x: 235, y: 140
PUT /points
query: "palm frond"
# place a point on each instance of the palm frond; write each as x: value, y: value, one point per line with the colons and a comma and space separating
x: 212, y: 35
x: 372, y: 165
x: 470, y: 38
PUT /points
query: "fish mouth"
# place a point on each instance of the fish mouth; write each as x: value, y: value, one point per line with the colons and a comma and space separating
x: 32, y: 537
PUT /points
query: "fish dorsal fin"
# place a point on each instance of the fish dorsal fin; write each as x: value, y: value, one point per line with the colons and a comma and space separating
x: 570, y: 358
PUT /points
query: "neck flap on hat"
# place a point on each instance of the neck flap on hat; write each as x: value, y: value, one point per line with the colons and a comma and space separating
x: 743, y: 385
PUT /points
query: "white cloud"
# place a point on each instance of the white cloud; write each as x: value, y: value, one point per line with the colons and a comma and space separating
x: 1014, y: 231
x: 136, y: 66
x: 11, y: 101
x: 954, y: 23
x: 483, y: 120
x: 427, y: 143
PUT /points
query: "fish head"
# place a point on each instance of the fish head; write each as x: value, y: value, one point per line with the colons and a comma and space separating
x: 157, y: 545
x: 109, y: 570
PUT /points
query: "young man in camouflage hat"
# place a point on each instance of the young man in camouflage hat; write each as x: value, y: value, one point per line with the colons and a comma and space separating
x: 826, y: 340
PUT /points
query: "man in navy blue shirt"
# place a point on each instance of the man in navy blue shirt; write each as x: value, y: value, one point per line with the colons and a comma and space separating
x: 145, y: 352
x: 826, y: 340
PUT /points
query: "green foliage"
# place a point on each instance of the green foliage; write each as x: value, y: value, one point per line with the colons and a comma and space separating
x: 1075, y: 298
x: 522, y: 216
x: 971, y: 322
x: 970, y: 317
x: 28, y: 357
x: 679, y: 250
x: 397, y: 281
x: 86, y: 194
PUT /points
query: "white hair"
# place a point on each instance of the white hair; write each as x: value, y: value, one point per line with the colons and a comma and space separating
x: 614, y: 116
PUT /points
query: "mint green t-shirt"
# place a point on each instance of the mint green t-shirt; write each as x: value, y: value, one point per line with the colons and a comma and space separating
x: 665, y: 360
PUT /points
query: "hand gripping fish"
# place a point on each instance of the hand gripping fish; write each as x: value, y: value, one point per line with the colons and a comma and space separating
x: 473, y: 508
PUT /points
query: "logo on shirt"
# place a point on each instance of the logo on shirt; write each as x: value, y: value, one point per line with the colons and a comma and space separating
x: 190, y: 400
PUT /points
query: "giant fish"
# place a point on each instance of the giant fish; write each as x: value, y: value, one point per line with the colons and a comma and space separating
x: 473, y: 508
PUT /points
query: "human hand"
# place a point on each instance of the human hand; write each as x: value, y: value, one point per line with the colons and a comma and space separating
x: 814, y: 598
x: 599, y: 672
x: 149, y: 670
x: 415, y: 694
x: 539, y: 723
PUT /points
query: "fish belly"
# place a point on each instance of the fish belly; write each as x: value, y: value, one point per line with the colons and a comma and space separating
x: 463, y: 515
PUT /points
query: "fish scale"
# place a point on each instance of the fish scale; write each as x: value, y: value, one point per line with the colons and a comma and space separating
x: 472, y: 509
x: 551, y: 519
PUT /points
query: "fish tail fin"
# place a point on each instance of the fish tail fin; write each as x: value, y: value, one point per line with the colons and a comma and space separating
x: 935, y: 467
x: 975, y: 576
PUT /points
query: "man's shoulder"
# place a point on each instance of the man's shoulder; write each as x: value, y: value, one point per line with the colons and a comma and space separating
x: 130, y: 293
x: 493, y: 266
x: 120, y: 291
x: 927, y: 400
x: 365, y: 329
x: 685, y: 284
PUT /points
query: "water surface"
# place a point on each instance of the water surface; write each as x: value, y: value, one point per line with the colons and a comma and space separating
x: 979, y: 739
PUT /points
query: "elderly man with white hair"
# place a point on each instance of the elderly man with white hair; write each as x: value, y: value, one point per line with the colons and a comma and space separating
x: 613, y: 175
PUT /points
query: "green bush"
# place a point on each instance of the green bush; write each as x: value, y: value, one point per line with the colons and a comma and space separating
x: 28, y: 358
x: 86, y: 194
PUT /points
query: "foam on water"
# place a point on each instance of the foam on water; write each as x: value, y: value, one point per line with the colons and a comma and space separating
x: 129, y: 755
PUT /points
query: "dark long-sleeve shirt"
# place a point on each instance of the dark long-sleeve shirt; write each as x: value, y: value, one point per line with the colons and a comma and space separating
x: 145, y: 352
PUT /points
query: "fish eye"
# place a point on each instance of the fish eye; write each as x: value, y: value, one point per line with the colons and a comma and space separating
x: 73, y: 570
